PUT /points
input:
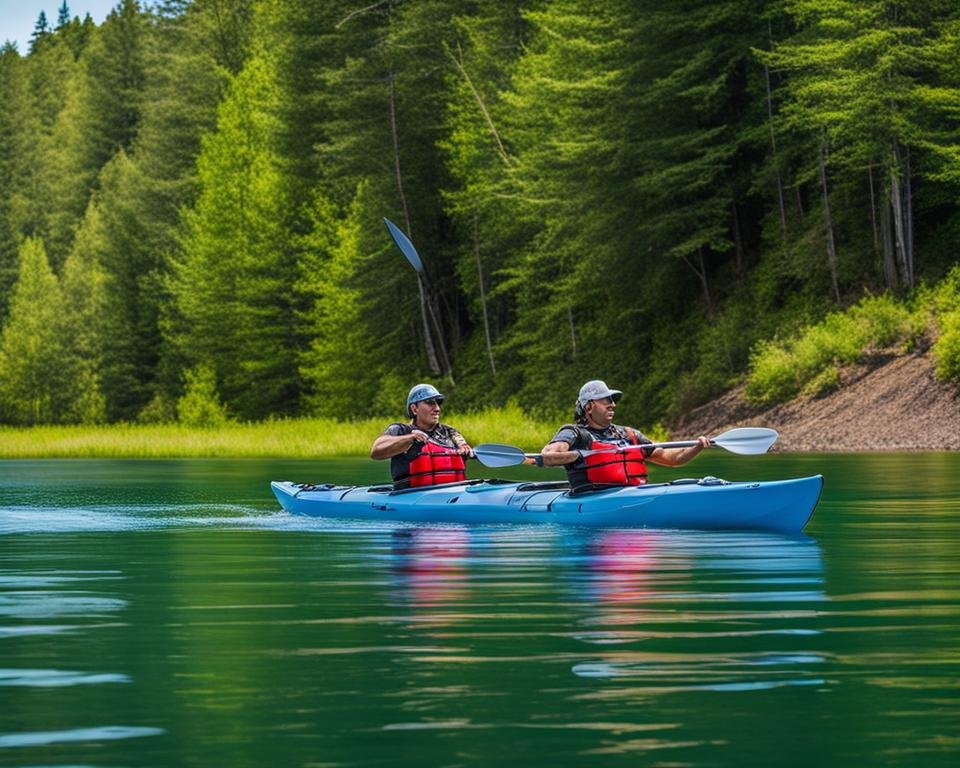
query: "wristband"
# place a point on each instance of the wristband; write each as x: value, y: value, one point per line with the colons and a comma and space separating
x: 538, y: 460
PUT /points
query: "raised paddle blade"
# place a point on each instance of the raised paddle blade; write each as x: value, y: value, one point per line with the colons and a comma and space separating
x: 496, y: 455
x: 747, y: 441
x: 404, y: 244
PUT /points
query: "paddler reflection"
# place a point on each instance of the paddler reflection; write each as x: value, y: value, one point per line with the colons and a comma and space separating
x: 625, y: 566
x: 429, y: 567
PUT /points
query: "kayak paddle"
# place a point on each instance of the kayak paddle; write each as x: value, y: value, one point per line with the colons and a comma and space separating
x: 427, y: 299
x: 746, y: 441
x: 404, y: 244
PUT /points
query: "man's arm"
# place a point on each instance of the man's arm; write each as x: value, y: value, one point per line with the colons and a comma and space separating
x: 674, y: 457
x: 463, y: 447
x: 558, y: 453
x: 386, y: 446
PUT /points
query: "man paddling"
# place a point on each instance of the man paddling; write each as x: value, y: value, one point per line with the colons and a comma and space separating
x: 594, y: 430
x: 423, y: 451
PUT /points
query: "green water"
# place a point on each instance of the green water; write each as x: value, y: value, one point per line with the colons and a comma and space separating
x: 168, y: 614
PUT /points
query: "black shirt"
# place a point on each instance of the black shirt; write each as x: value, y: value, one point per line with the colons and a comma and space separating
x: 581, y: 438
x: 441, y: 434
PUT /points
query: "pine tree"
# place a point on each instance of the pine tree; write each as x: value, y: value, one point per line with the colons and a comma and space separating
x: 100, y: 117
x: 13, y: 144
x: 234, y: 281
x: 84, y: 296
x: 188, y: 60
x: 31, y: 345
x: 482, y: 56
x: 41, y: 32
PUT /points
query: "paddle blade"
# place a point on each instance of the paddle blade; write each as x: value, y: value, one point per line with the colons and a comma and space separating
x: 404, y: 244
x: 496, y: 455
x: 747, y: 441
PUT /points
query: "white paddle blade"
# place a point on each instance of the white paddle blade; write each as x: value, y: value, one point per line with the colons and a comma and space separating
x: 747, y: 441
x: 404, y: 244
x: 497, y: 455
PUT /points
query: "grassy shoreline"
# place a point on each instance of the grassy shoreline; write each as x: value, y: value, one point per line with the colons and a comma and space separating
x: 292, y: 438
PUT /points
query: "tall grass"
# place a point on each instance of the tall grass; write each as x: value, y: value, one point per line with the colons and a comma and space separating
x: 295, y: 438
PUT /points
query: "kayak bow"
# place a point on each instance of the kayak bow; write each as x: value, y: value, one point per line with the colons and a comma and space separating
x: 782, y: 506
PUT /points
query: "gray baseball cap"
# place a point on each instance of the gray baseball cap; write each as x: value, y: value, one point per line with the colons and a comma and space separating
x: 596, y: 390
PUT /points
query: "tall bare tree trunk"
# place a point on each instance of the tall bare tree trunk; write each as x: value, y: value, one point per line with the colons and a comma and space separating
x: 908, y: 217
x: 776, y: 165
x: 439, y: 364
x: 873, y: 210
x: 573, y: 333
x: 737, y: 242
x: 896, y: 205
x: 828, y: 222
x: 483, y: 296
x: 700, y: 270
x: 889, y: 259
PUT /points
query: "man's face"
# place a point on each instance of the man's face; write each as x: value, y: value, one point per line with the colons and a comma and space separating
x: 426, y: 413
x: 600, y: 412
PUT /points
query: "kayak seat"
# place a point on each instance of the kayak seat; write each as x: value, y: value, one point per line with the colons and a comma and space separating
x: 545, y: 485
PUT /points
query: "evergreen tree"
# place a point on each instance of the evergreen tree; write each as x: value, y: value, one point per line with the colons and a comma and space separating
x: 481, y: 199
x: 84, y: 296
x: 13, y: 145
x: 854, y: 72
x: 100, y: 116
x: 234, y: 282
x: 41, y: 32
x: 32, y: 349
x: 188, y: 57
x: 573, y: 188
x: 63, y: 16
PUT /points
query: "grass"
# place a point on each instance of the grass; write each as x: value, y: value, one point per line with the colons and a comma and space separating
x: 293, y: 438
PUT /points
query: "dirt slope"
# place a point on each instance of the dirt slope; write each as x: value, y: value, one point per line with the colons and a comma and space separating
x: 894, y: 405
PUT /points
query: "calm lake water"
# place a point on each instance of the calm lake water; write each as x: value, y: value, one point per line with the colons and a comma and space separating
x: 167, y: 613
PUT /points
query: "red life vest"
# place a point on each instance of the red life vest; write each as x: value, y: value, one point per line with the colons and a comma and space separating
x: 436, y: 464
x: 619, y: 467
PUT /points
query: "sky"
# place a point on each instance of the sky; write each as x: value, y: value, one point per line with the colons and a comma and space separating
x: 18, y: 17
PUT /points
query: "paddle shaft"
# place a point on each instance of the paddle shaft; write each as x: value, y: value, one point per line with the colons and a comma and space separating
x: 742, y: 440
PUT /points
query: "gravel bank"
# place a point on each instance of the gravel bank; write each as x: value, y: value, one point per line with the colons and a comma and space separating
x: 893, y: 404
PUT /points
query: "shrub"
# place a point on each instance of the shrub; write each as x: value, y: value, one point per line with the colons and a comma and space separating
x: 200, y: 405
x: 781, y: 370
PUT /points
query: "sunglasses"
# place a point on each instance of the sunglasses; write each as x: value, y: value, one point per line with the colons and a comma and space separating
x: 432, y: 401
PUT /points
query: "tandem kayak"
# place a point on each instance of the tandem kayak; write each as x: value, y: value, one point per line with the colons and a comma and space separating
x: 782, y: 506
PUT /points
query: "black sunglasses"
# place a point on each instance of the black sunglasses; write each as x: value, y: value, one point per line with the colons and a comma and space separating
x: 433, y: 401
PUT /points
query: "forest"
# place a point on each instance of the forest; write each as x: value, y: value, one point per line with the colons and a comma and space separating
x: 192, y: 197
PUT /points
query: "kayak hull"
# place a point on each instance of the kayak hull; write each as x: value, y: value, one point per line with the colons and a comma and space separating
x: 782, y: 506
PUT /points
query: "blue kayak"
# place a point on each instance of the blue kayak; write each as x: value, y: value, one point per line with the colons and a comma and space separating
x: 783, y: 506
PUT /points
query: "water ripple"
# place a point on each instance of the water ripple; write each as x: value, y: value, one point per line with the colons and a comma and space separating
x: 102, y: 733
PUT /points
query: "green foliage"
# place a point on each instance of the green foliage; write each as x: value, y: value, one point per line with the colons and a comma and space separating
x: 200, y: 405
x: 234, y: 283
x: 946, y: 348
x: 631, y: 190
x: 32, y: 348
x: 781, y: 369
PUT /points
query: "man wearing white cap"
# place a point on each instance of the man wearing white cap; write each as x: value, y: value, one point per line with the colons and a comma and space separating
x: 423, y: 451
x: 618, y: 464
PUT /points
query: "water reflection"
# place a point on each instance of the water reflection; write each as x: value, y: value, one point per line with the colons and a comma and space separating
x: 655, y: 611
x: 430, y: 565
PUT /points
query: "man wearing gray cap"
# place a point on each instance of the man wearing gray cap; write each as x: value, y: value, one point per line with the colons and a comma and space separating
x: 594, y: 430
x: 422, y: 451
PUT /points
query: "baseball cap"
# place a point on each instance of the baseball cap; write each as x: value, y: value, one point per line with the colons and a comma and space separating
x: 596, y: 390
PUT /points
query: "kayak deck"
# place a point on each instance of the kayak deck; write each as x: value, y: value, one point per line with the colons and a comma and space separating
x: 782, y: 506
